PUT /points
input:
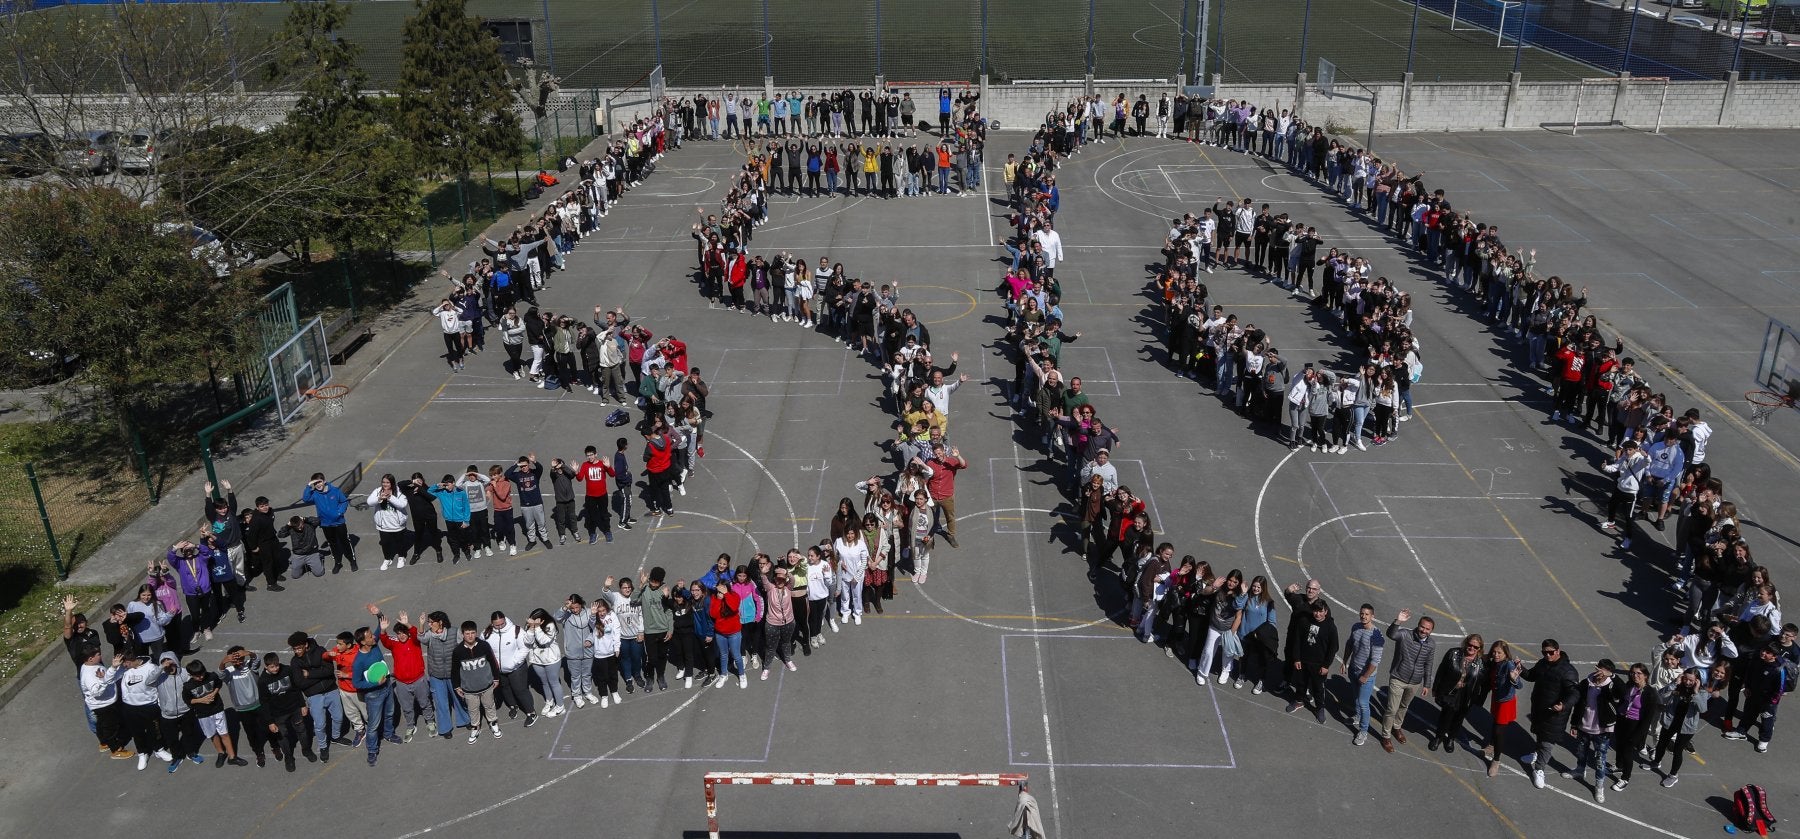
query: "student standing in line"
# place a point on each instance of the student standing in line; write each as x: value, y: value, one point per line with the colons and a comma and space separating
x: 476, y: 678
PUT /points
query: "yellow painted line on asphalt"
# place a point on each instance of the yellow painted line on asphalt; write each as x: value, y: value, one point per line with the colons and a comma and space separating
x: 387, y: 598
x: 1539, y: 559
x: 1365, y: 583
x: 455, y: 575
x: 1284, y: 558
x: 1453, y: 618
x: 1220, y: 544
x: 973, y: 305
x: 409, y: 421
x: 1492, y: 808
x: 291, y: 797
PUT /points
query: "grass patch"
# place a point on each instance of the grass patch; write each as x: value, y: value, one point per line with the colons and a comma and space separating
x: 31, y: 614
x: 325, y: 286
x: 490, y: 192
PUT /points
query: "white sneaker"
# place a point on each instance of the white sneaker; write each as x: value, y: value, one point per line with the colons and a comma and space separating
x: 495, y: 727
x: 687, y: 682
x: 490, y: 550
x: 386, y: 564
x: 163, y: 755
x: 616, y: 699
x: 400, y: 562
x: 756, y: 662
x: 858, y: 618
x: 681, y: 488
x: 474, y: 734
x: 680, y: 672
x: 765, y: 676
x: 743, y: 681
x: 1600, y: 794
x: 604, y: 703
x: 1537, y: 778
x: 834, y: 625
x: 580, y: 701
x: 512, y: 550
x: 1237, y: 684
x: 143, y: 761
x: 720, y: 682
x: 1222, y: 679
x: 1360, y: 446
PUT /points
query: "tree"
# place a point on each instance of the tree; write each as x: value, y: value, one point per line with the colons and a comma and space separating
x: 455, y: 96
x: 98, y: 273
x: 329, y: 81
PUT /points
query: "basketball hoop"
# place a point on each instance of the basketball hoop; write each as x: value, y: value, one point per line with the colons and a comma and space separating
x: 332, y: 396
x: 1764, y: 403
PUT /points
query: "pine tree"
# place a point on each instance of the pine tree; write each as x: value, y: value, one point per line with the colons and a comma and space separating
x: 455, y: 96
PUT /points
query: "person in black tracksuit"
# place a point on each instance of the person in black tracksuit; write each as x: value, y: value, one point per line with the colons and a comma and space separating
x: 1309, y: 653
x: 282, y: 710
x: 1554, y: 689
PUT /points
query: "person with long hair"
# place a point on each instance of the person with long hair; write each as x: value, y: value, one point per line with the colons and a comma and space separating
x: 1503, y: 672
x: 1227, y: 611
x: 1640, y: 705
x: 419, y: 502
x: 1260, y: 646
x: 751, y: 610
x: 543, y: 650
x: 846, y: 518
x: 500, y: 500
x: 1459, y: 685
x: 390, y: 521
x: 1682, y: 704
x: 852, y: 567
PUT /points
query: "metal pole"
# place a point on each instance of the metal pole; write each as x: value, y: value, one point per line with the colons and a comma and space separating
x: 430, y: 235
x: 1412, y: 40
x: 1519, y: 49
x: 44, y: 516
x: 1738, y: 50
x: 549, y: 39
x: 1374, y: 105
x: 349, y: 287
x: 1090, y: 38
x: 877, y: 34
x: 984, y: 54
x: 656, y: 31
x: 462, y: 209
x: 1630, y: 34
x: 518, y: 189
x: 768, y: 38
x: 1204, y: 4
x: 143, y: 459
x: 493, y: 210
x: 1305, y: 28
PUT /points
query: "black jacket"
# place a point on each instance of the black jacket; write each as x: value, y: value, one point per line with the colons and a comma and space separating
x: 313, y: 675
x: 1312, y: 648
x: 1457, y: 665
x: 1607, y: 703
x: 1552, y: 683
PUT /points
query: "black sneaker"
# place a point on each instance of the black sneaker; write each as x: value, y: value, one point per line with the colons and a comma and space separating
x: 288, y: 762
x: 625, y: 524
x: 238, y: 761
x: 661, y: 683
x: 310, y: 756
x: 324, y: 755
x: 260, y: 761
x: 220, y: 762
x: 530, y: 720
x: 1658, y: 524
x: 277, y: 587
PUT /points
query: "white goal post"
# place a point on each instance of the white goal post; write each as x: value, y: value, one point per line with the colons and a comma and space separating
x: 847, y: 779
x: 1618, y: 83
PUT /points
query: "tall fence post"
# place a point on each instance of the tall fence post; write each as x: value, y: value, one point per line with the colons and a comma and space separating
x: 343, y: 260
x: 1203, y: 8
x: 549, y: 39
x: 1630, y: 35
x: 656, y: 31
x: 462, y: 208
x: 877, y: 39
x: 1519, y: 45
x: 430, y: 234
x: 768, y: 63
x: 1305, y: 29
x: 1738, y: 51
x: 493, y: 208
x: 1089, y: 81
x: 984, y: 46
x: 143, y: 462
x: 1412, y: 41
x: 37, y: 492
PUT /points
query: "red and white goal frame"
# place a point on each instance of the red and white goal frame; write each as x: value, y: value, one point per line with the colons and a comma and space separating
x: 1620, y: 84
x: 847, y: 779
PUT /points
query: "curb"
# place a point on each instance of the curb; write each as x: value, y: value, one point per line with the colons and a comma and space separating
x: 266, y: 457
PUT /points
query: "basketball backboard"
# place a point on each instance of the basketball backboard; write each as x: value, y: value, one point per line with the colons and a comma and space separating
x: 1778, y: 366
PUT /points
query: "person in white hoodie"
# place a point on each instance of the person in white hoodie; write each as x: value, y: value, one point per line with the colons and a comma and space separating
x: 820, y: 584
x: 390, y: 521
x: 508, y: 643
x: 180, y: 732
x: 852, y: 564
x: 137, y: 687
x: 100, y: 691
x: 606, y: 651
x: 543, y: 649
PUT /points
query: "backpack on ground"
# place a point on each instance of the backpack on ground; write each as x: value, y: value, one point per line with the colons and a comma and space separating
x: 1750, y: 809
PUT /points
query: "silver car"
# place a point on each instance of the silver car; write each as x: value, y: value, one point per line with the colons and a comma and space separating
x: 139, y: 150
x: 90, y: 152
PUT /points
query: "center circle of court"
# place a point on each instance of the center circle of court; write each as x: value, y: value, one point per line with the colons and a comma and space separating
x: 936, y: 304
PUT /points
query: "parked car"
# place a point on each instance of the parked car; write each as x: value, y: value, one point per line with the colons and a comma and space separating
x: 1690, y: 20
x: 207, y: 248
x: 27, y: 154
x: 1757, y: 35
x: 90, y: 152
x: 140, y: 150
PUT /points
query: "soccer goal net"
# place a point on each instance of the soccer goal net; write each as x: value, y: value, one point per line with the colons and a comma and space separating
x: 714, y: 780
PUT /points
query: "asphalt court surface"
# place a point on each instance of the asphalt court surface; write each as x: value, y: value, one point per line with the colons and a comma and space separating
x: 1011, y: 659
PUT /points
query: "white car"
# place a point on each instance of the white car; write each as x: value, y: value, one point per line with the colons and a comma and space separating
x: 1689, y: 20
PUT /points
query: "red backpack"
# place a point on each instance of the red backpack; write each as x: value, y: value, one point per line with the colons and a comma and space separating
x: 1750, y: 809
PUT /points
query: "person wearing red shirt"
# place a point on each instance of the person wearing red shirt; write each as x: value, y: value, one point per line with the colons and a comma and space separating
x: 411, y: 691
x: 659, y: 471
x: 722, y: 607
x: 1568, y: 389
x: 1599, y: 385
x: 941, y: 483
x: 675, y: 352
x: 342, y: 655
x: 594, y: 472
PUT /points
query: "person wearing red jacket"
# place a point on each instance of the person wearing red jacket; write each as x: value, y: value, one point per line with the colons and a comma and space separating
x: 1569, y: 385
x: 411, y: 691
x: 594, y: 472
x: 675, y: 352
x: 737, y: 269
x: 342, y: 656
x: 659, y: 468
x: 722, y: 607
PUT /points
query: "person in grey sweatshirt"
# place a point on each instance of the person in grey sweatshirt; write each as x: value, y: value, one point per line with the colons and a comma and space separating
x: 180, y: 734
x: 578, y: 649
x: 439, y: 645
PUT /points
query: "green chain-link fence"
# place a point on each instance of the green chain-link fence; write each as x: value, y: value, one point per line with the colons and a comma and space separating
x: 50, y: 521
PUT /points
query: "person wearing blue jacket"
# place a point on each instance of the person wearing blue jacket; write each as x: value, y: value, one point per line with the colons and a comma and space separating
x: 377, y: 694
x: 455, y: 504
x: 331, y: 503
